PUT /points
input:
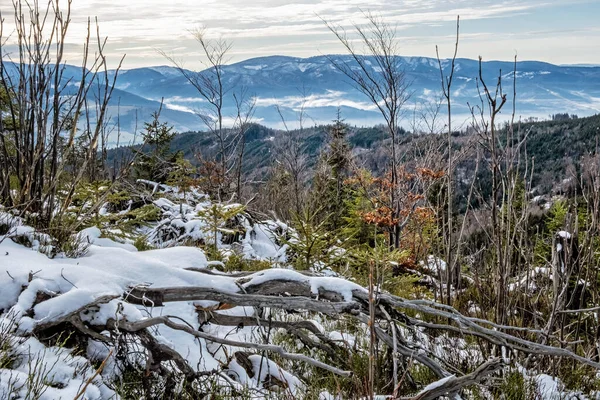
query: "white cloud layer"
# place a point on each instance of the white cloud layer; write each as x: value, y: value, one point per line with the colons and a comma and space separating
x: 536, y: 29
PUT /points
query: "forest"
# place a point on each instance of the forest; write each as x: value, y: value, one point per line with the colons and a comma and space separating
x: 422, y: 258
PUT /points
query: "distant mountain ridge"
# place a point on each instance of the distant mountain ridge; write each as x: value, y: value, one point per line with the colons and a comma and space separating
x: 542, y: 89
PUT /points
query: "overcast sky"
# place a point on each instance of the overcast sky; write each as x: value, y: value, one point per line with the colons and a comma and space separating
x: 557, y: 31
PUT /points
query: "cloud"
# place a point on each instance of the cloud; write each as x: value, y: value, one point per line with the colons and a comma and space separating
x: 265, y: 27
x: 331, y: 98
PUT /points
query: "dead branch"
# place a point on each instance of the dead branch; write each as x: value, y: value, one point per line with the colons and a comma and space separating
x: 294, y: 327
x: 98, y: 371
x: 42, y: 326
x: 453, y: 384
x: 166, y: 320
x: 297, y: 295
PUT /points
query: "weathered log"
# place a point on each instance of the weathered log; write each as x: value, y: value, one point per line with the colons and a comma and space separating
x: 46, y: 324
x: 156, y: 297
x: 298, y: 295
x: 292, y: 288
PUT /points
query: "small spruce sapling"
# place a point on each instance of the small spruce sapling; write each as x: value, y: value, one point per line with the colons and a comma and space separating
x: 216, y: 217
x: 312, y: 240
x: 182, y: 176
x: 155, y: 164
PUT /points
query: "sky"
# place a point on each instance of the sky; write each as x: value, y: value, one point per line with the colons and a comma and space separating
x: 556, y: 31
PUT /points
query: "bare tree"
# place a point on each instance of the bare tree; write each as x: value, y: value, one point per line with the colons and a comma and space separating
x: 212, y: 87
x: 46, y: 105
x: 375, y: 70
x: 292, y: 157
x: 427, y: 117
x: 509, y: 168
x: 452, y: 271
x: 245, y: 107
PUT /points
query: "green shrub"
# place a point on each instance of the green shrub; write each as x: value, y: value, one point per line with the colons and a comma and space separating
x: 514, y: 386
x: 236, y: 262
x: 142, y: 244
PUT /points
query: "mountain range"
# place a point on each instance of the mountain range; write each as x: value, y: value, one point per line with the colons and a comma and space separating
x: 315, y: 84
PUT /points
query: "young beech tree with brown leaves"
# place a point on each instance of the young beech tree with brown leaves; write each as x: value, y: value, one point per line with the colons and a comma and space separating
x: 410, y: 201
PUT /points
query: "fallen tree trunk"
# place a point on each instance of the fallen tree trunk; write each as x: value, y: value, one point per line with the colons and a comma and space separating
x: 308, y: 297
x: 357, y: 307
x: 156, y: 297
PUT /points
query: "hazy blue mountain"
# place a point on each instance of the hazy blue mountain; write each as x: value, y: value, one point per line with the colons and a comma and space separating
x: 542, y: 89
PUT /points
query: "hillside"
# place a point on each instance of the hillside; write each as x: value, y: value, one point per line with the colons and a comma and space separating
x: 553, y: 147
x: 141, y: 301
x: 558, y: 146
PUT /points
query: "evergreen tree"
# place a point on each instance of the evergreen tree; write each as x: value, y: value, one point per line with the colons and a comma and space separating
x: 330, y: 193
x: 156, y: 164
x: 182, y: 176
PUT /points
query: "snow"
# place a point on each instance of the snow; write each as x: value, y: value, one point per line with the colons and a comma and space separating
x: 268, y: 367
x: 261, y: 241
x: 39, y: 241
x: 338, y: 285
x: 92, y: 236
x: 532, y: 277
x: 167, y: 71
x: 548, y: 387
x: 564, y: 234
x: 110, y: 268
x: 346, y: 338
x: 437, y: 384
x: 181, y: 223
x: 58, y: 373
x: 434, y: 265
x: 304, y: 66
x: 254, y: 67
x: 193, y: 349
x: 103, y: 271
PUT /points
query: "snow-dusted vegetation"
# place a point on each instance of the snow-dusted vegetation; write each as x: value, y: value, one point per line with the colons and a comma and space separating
x: 435, y: 266
x: 177, y: 321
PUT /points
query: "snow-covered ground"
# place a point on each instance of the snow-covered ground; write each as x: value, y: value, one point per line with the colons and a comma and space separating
x: 105, y: 273
x: 36, y: 290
